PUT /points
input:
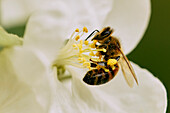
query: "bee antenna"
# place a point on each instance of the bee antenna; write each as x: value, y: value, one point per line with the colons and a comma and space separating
x: 92, y: 34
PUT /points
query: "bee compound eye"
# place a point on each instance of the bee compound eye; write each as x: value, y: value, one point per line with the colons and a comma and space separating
x: 105, y: 33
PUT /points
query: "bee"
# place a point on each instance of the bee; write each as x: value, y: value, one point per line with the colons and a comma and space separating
x: 105, y: 73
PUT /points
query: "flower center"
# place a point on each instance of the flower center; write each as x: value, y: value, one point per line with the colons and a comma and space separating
x: 80, y: 53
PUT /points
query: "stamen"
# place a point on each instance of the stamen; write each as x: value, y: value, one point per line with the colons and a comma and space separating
x: 75, y: 46
x: 98, y: 54
x: 77, y: 38
x: 86, y: 42
x: 86, y: 64
x: 77, y: 30
x: 82, y: 59
x: 85, y: 29
x: 91, y: 53
x: 93, y: 45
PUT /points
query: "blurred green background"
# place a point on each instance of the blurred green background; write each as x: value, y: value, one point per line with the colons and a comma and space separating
x: 153, y: 52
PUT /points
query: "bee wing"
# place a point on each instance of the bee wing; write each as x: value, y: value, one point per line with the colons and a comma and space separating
x: 127, y: 70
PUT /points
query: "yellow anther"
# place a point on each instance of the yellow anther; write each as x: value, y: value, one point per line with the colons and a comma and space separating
x: 86, y: 42
x: 92, y: 45
x: 79, y: 46
x: 77, y: 38
x: 80, y: 50
x: 85, y: 29
x: 77, y: 30
x: 80, y: 54
x: 96, y: 59
x: 104, y: 50
x: 91, y: 53
x: 74, y: 45
x: 97, y: 54
x: 79, y: 58
x: 81, y: 42
x: 86, y: 64
x: 95, y: 41
x: 111, y: 62
x: 82, y: 59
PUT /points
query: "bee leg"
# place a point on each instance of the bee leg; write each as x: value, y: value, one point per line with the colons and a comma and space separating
x: 93, y: 64
x: 117, y: 58
x: 92, y: 34
x: 101, y: 46
x: 101, y: 63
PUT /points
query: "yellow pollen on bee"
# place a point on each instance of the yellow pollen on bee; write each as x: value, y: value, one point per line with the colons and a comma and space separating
x: 111, y: 62
x: 86, y: 42
x: 77, y: 38
x: 85, y: 29
x: 77, y: 30
x: 106, y: 70
x: 113, y: 67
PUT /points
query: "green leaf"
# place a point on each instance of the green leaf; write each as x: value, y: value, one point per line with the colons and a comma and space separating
x: 7, y: 40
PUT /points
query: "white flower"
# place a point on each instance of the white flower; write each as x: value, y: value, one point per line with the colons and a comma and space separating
x: 29, y: 67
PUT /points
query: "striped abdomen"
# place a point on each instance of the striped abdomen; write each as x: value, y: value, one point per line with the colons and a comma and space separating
x: 97, y: 77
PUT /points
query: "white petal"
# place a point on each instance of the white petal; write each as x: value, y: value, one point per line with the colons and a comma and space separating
x: 49, y: 28
x: 63, y: 101
x: 34, y: 70
x: 31, y: 68
x: 16, y: 96
x: 116, y: 96
x: 16, y: 12
x: 130, y: 20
